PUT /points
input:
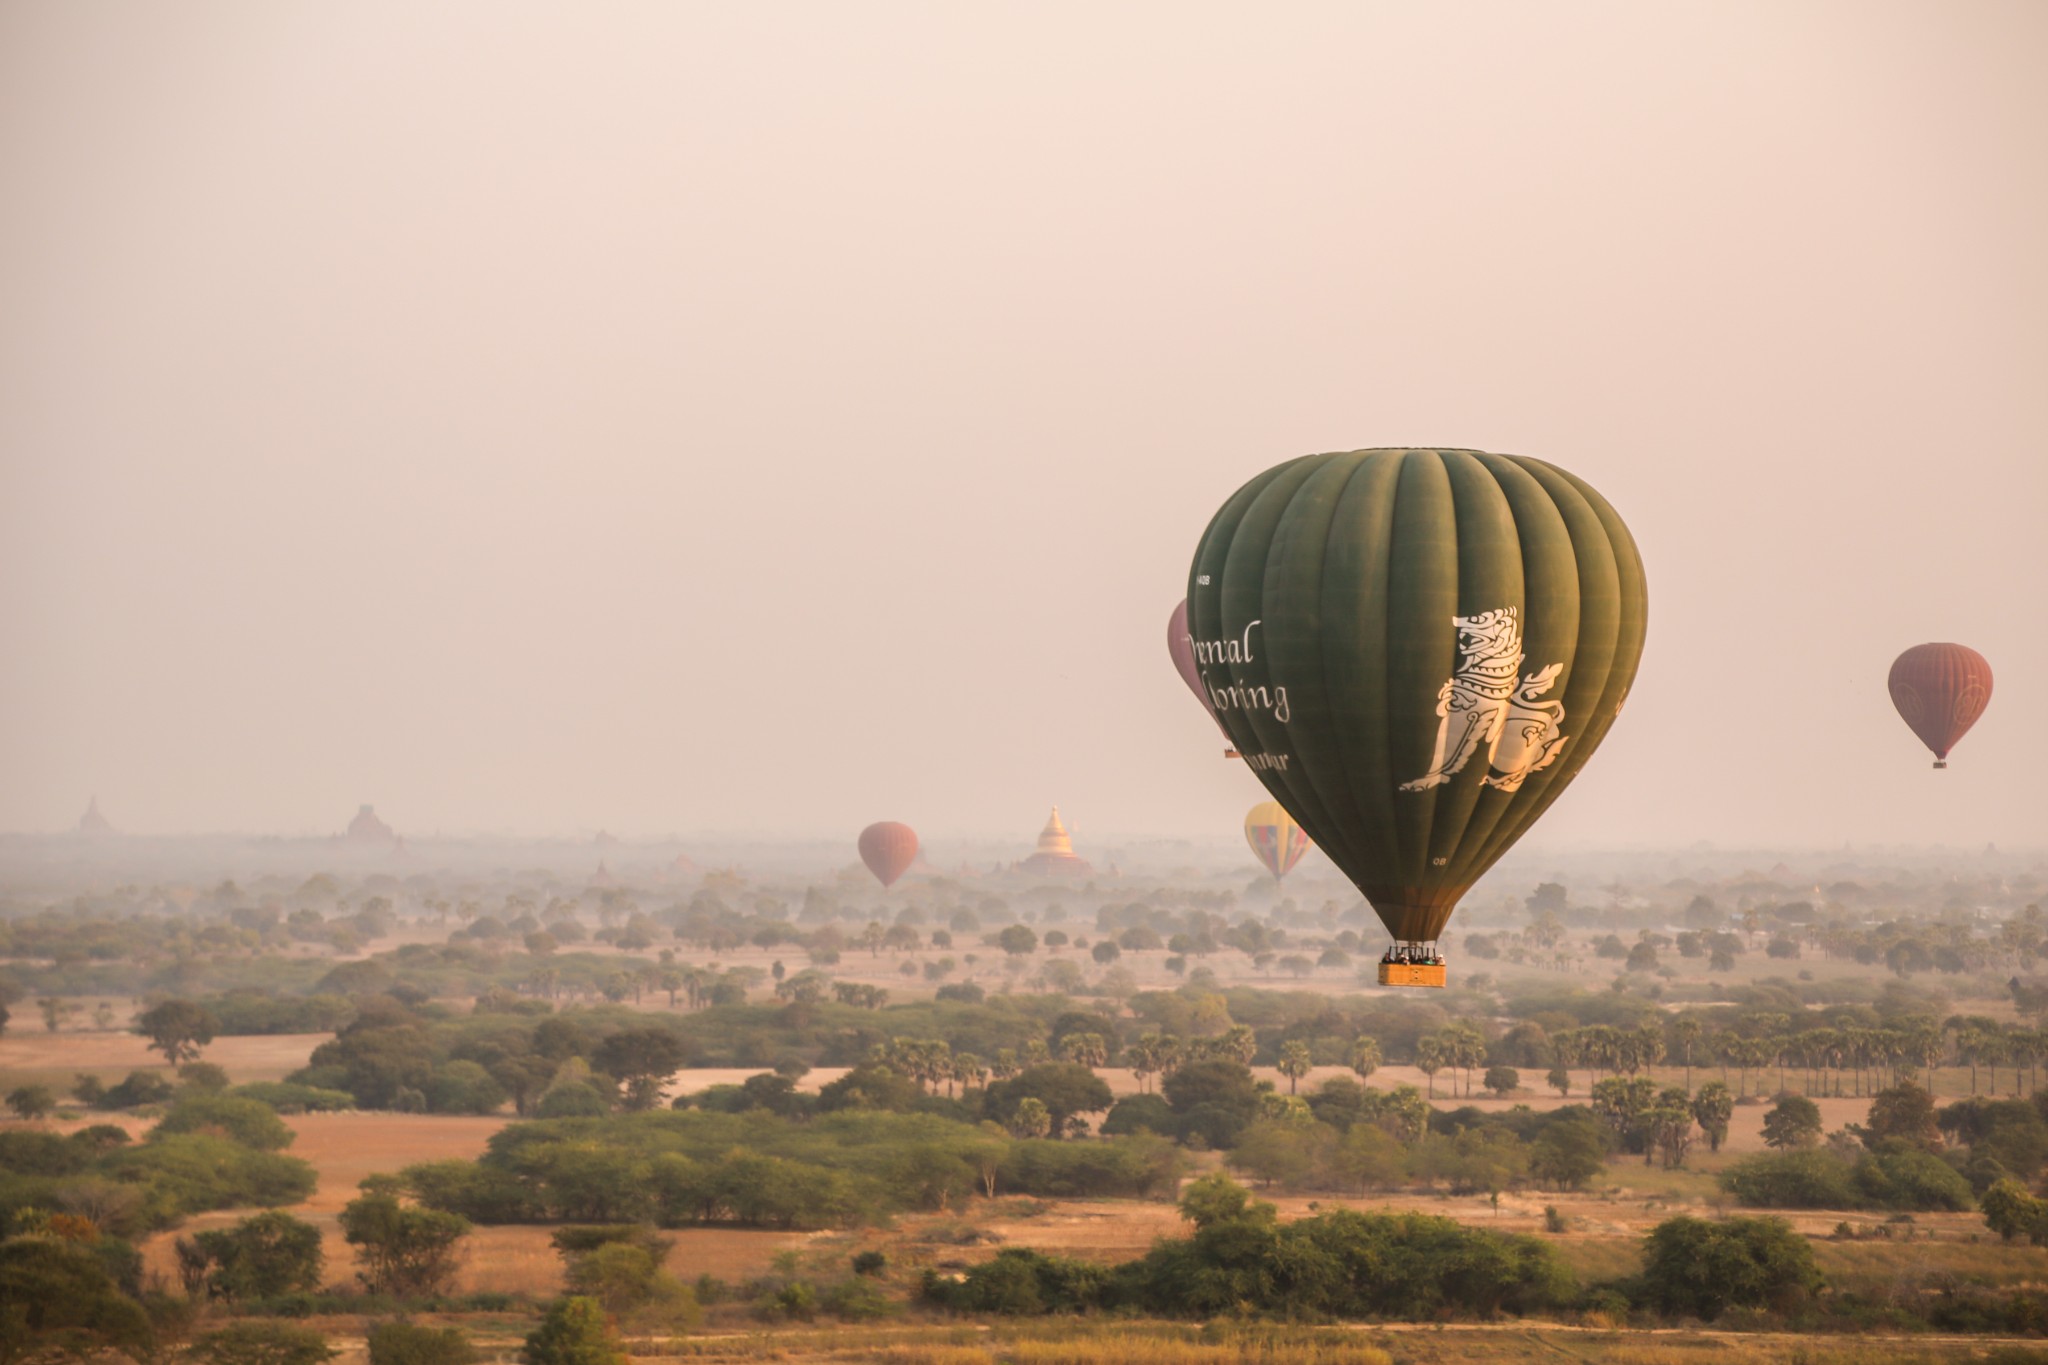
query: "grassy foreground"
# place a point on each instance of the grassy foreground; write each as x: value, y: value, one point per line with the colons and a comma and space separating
x: 1156, y: 1343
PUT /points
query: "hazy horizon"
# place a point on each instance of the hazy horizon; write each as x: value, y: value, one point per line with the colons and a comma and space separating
x: 532, y: 418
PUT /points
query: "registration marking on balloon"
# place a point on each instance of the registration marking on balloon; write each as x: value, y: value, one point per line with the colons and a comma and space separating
x: 1489, y: 702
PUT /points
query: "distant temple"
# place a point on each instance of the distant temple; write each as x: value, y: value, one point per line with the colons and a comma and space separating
x: 366, y: 828
x: 604, y: 876
x: 606, y: 839
x: 92, y: 822
x: 1055, y: 856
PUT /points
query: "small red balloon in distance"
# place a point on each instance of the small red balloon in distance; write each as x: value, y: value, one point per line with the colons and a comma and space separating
x: 888, y: 849
x: 1940, y: 691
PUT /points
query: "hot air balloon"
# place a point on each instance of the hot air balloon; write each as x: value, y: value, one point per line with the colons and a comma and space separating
x: 1180, y: 646
x: 1940, y: 691
x: 1274, y: 836
x: 1416, y: 651
x: 888, y: 849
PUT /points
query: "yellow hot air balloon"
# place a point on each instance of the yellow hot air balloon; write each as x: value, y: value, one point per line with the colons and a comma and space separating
x: 1274, y: 836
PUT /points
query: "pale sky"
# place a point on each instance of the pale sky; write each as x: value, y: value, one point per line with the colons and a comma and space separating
x: 772, y: 418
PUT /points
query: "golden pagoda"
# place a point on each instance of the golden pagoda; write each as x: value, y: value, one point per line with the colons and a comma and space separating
x: 1055, y: 856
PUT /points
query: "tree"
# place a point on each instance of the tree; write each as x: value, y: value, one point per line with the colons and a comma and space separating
x: 1502, y: 1080
x: 1030, y: 1119
x: 1295, y: 1062
x: 1793, y: 1122
x: 1712, y: 1108
x: 408, y: 1252
x: 2011, y: 1212
x: 1017, y: 940
x: 1568, y: 1153
x: 644, y: 1060
x: 1364, y: 1056
x: 32, y: 1101
x: 1686, y: 1034
x: 1560, y: 1080
x: 1669, y: 1128
x: 262, y: 1257
x: 1105, y: 951
x: 1905, y: 1113
x: 1066, y: 1090
x: 574, y: 1332
x: 178, y: 1029
x: 1429, y: 1059
x: 57, y: 1300
x: 1213, y: 1098
x: 1699, y: 1269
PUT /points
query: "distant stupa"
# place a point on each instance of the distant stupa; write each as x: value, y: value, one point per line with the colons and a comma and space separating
x: 1055, y: 856
x: 606, y: 839
x: 92, y: 822
x: 366, y: 828
x: 604, y: 876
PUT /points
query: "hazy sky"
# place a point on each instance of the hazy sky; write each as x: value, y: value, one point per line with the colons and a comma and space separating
x: 770, y: 418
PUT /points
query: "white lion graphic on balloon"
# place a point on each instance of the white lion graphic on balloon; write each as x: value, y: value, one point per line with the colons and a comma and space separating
x: 1489, y: 702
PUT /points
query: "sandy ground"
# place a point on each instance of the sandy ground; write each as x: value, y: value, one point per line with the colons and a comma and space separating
x: 29, y: 1055
x: 346, y: 1147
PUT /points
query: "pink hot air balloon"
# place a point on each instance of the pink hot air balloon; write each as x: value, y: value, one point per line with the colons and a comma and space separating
x: 1940, y: 690
x: 888, y: 849
x: 1180, y: 644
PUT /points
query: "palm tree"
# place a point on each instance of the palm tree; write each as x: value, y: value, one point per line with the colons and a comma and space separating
x: 1429, y: 1059
x: 1686, y: 1033
x: 1365, y: 1056
x: 1295, y: 1062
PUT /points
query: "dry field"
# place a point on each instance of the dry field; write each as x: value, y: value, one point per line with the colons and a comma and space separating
x: 30, y: 1056
x: 344, y: 1148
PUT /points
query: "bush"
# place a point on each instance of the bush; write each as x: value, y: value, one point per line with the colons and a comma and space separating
x: 1898, y: 1177
x: 1140, y: 1114
x: 404, y: 1343
x: 263, y: 1343
x: 857, y: 1300
x: 1696, y: 1268
x: 288, y: 1098
x: 1903, y: 1177
x: 574, y: 1332
x: 140, y: 1088
x: 243, y: 1121
x: 264, y: 1257
x: 1803, y: 1179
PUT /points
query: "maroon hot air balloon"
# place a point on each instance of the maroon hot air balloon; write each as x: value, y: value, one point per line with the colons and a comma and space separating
x: 1940, y: 691
x: 888, y: 849
x: 1180, y: 644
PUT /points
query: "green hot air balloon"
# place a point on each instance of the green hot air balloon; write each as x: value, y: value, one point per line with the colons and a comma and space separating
x: 1416, y: 650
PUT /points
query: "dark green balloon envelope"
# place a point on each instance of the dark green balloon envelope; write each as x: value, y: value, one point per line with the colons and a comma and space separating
x: 1416, y: 650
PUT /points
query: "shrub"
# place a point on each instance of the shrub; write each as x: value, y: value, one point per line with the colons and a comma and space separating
x: 1805, y: 1179
x: 1700, y: 1269
x: 263, y: 1343
x: 1903, y: 1177
x: 264, y: 1257
x: 404, y: 1343
x: 857, y: 1300
x: 244, y: 1121
x: 1140, y: 1114
x: 288, y: 1098
x: 574, y: 1332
